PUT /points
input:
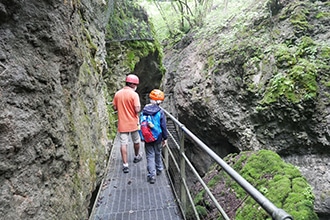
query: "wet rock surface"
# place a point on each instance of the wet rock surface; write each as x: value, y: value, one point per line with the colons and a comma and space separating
x: 53, y: 118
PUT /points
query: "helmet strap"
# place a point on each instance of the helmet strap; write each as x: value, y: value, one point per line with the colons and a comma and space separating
x: 132, y: 85
x: 155, y: 102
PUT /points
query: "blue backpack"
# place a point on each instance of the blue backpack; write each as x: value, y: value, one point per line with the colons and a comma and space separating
x: 150, y: 127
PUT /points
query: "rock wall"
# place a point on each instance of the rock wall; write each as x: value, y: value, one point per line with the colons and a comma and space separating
x: 53, y: 118
x: 132, y: 48
x: 255, y: 76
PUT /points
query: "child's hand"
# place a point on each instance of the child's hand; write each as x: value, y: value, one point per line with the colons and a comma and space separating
x: 164, y: 143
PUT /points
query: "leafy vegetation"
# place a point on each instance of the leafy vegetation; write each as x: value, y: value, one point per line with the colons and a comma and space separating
x: 128, y: 23
x: 173, y: 19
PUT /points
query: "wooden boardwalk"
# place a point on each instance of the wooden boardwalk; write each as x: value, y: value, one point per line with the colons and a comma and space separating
x: 128, y: 196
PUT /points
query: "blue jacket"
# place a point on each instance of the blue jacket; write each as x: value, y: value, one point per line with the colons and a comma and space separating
x: 152, y: 109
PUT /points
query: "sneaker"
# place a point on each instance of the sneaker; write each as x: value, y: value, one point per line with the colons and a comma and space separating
x: 125, y: 169
x: 137, y: 158
x: 159, y: 172
x: 151, y: 179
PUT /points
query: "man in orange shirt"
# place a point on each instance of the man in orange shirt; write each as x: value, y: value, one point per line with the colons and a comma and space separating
x: 127, y: 103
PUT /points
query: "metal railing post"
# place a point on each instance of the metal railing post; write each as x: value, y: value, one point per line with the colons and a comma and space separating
x: 183, y: 195
x: 166, y: 162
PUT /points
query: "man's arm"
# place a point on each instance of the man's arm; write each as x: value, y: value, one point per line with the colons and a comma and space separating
x: 114, y: 105
x: 114, y: 101
x: 137, y: 103
x: 137, y: 109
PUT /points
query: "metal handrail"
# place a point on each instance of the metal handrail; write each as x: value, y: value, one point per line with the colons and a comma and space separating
x: 269, y: 207
x: 199, y: 179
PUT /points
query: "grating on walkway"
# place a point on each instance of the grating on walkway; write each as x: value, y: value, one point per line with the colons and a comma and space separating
x: 129, y: 196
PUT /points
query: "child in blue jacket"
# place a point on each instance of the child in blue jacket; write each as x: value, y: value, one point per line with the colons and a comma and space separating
x: 154, y: 149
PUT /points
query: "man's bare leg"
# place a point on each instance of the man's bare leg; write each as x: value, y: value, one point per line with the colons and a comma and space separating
x: 136, y: 148
x: 123, y: 150
x: 138, y: 155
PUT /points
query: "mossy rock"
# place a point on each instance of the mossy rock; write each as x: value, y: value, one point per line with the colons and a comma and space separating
x: 281, y: 183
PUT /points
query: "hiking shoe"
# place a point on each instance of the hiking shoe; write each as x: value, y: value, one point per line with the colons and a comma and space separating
x: 125, y: 169
x: 151, y: 179
x: 137, y: 158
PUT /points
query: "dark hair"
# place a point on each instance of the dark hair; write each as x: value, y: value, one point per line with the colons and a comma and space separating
x: 130, y: 84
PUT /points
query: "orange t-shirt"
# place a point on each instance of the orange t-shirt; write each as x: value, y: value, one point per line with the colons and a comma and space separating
x: 125, y: 101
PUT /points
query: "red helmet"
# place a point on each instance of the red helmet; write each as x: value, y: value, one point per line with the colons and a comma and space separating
x: 131, y: 78
x: 156, y: 95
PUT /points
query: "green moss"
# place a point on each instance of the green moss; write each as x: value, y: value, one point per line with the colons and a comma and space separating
x: 299, y: 81
x: 266, y: 170
x: 240, y: 162
x: 307, y: 48
x: 325, y: 53
x: 92, y: 46
x: 304, y: 74
x: 214, y: 181
x: 199, y: 197
x: 300, y: 203
x: 201, y: 210
x: 321, y: 15
x: 280, y: 187
x: 210, y: 62
x: 138, y: 50
x: 297, y: 85
x: 77, y: 185
x: 201, y: 204
x: 280, y: 85
x: 284, y: 55
x: 299, y: 19
x: 245, y: 212
x: 280, y: 182
x: 92, y: 168
x: 112, y: 122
